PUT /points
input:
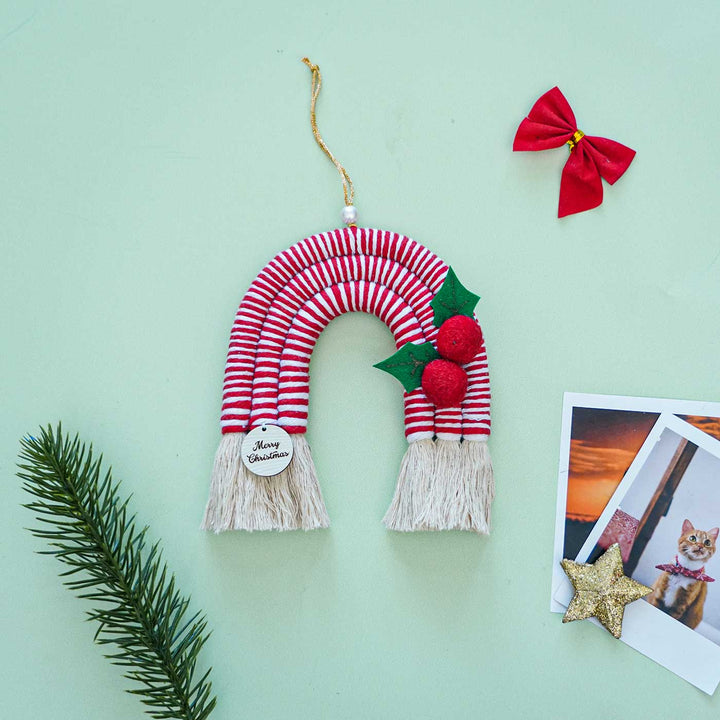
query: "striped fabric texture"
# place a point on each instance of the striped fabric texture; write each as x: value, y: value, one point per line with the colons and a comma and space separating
x: 300, y: 291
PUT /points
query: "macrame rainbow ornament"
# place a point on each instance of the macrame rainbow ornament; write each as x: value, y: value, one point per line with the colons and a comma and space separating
x: 445, y: 480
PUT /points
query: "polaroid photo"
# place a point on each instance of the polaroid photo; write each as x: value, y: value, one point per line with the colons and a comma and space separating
x: 665, y: 514
x: 600, y: 438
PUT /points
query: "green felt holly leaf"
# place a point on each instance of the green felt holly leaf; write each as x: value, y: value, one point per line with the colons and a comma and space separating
x: 408, y: 363
x: 452, y: 299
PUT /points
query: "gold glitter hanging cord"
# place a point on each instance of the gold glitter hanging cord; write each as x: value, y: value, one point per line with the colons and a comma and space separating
x: 348, y: 189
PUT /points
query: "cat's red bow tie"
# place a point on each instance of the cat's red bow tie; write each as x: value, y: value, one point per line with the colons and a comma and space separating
x: 551, y: 124
x: 678, y: 569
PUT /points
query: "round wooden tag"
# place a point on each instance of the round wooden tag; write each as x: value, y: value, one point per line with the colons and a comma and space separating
x: 267, y: 450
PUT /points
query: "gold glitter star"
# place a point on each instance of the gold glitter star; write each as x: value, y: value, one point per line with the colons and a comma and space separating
x: 602, y: 590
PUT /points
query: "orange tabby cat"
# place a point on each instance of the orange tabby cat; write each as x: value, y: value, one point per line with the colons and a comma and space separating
x: 681, y: 588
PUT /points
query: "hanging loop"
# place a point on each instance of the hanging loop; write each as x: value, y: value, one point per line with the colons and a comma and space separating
x: 349, y: 214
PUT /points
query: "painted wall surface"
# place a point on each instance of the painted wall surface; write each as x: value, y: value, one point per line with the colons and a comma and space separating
x: 155, y: 155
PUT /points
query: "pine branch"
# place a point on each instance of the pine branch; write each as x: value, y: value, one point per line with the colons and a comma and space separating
x: 137, y: 606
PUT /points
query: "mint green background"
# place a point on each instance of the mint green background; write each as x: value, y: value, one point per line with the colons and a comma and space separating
x: 155, y: 155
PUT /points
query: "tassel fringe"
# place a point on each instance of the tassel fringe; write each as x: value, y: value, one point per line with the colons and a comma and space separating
x: 443, y: 485
x: 241, y: 500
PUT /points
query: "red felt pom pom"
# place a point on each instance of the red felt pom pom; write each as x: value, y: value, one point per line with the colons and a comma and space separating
x: 459, y: 339
x: 444, y: 383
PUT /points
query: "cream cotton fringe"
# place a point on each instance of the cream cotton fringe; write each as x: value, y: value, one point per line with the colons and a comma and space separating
x: 443, y: 485
x: 241, y: 500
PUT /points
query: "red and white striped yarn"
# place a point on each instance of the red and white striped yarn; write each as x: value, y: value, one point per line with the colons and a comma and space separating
x: 300, y: 291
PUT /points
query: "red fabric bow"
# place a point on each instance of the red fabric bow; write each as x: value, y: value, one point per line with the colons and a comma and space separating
x: 550, y: 124
x: 678, y: 569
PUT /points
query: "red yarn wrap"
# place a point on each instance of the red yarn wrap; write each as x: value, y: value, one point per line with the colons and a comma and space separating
x: 300, y: 291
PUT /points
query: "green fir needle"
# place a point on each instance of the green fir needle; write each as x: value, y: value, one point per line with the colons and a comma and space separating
x: 141, y: 614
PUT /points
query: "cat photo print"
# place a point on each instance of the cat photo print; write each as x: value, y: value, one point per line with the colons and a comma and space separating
x: 665, y: 515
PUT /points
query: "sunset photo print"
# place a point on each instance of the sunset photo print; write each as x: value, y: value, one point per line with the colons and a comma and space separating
x: 600, y: 437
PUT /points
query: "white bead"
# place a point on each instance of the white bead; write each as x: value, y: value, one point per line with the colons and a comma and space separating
x: 349, y: 214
